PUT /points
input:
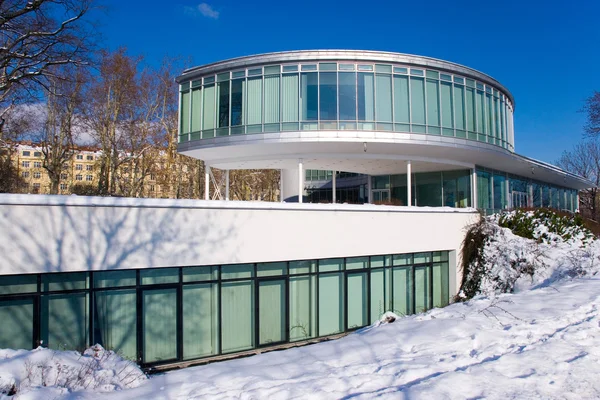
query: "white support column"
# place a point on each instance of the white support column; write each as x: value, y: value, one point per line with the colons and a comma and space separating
x: 300, y: 181
x: 577, y: 204
x: 226, y: 185
x: 474, y: 188
x: 508, y: 196
x: 530, y: 195
x: 206, y: 181
x: 333, y: 188
x: 281, y: 185
x: 408, y: 183
x: 369, y: 190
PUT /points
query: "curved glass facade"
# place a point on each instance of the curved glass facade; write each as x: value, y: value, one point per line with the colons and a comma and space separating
x: 344, y: 95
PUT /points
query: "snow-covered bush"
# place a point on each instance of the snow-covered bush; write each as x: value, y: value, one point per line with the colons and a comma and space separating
x: 59, y: 372
x: 520, y: 249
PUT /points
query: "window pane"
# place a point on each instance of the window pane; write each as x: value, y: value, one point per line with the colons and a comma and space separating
x: 64, y: 321
x: 366, y: 101
x: 402, y: 291
x: 484, y: 190
x: 223, y: 107
x: 422, y: 289
x: 196, y: 109
x: 271, y: 99
x: 16, y: 330
x: 237, y: 271
x: 401, y: 103
x: 302, y: 267
x: 417, y: 93
x: 271, y: 312
x: 357, y: 263
x: 441, y: 296
x: 159, y: 275
x: 331, y: 304
x: 310, y: 96
x: 447, y: 105
x: 237, y: 316
x: 185, y: 112
x: 18, y: 284
x: 271, y: 269
x: 64, y: 281
x: 238, y: 89
x: 115, y: 321
x: 333, y: 264
x: 290, y: 97
x: 428, y: 189
x: 328, y: 96
x: 378, y: 306
x: 254, y: 105
x: 195, y: 274
x: 302, y: 307
x: 500, y: 192
x: 159, y: 325
x: 459, y: 93
x: 347, y: 96
x: 383, y: 89
x: 490, y: 118
x: 200, y: 320
x: 480, y: 113
x: 470, y: 110
x: 357, y: 300
x: 208, y: 112
x: 433, y: 108
x: 114, y: 278
x: 457, y: 188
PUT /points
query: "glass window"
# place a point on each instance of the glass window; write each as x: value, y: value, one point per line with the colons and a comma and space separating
x: 237, y: 271
x: 237, y: 316
x: 64, y: 281
x: 331, y: 304
x: 433, y: 108
x: 459, y: 100
x: 400, y: 70
x: 65, y: 321
x: 328, y: 66
x: 328, y: 96
x: 417, y: 92
x: 18, y: 284
x: 490, y: 118
x: 272, y: 311
x: 332, y: 264
x: 402, y: 291
x: 302, y: 267
x: 290, y: 68
x: 271, y: 269
x: 357, y: 263
x: 115, y: 317
x: 272, y: 69
x: 196, y: 274
x: 378, y: 303
x: 254, y: 101
x: 480, y: 113
x: 366, y: 97
x: 357, y: 300
x: 254, y: 71
x: 380, y: 261
x: 159, y: 275
x: 302, y: 307
x: 383, y: 90
x: 457, y: 188
x: 200, y: 320
x: 347, y: 95
x: 209, y: 79
x: 208, y: 112
x: 447, y: 105
x: 428, y: 189
x: 272, y: 99
x: 422, y: 289
x: 159, y: 321
x: 238, y: 90
x: 309, y: 67
x: 290, y: 97
x: 238, y: 74
x: 309, y: 94
x: 104, y: 279
x: 500, y: 201
x: 223, y: 107
x: 484, y: 190
x: 185, y: 112
x: 383, y: 68
x: 347, y: 67
x: 17, y: 324
x: 416, y: 72
x: 401, y: 100
x: 441, y: 295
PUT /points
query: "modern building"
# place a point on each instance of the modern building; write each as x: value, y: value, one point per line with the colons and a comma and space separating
x: 381, y: 127
x: 185, y: 281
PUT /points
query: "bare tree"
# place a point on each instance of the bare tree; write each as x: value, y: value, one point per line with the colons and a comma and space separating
x: 63, y: 103
x: 584, y: 160
x: 38, y: 35
x: 592, y: 109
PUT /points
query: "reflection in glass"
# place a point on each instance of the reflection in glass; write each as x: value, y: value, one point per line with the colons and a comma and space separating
x: 328, y: 96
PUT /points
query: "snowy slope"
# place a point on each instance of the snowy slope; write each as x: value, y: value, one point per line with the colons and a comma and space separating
x: 542, y: 343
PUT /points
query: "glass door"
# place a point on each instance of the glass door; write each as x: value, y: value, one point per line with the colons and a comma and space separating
x: 272, y: 311
x: 381, y: 195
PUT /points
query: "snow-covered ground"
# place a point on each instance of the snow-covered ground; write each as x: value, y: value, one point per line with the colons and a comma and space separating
x: 543, y: 341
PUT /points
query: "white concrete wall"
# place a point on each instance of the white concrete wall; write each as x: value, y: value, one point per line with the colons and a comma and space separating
x: 69, y: 233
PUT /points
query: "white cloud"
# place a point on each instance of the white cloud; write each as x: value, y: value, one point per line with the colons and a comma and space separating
x: 203, y: 9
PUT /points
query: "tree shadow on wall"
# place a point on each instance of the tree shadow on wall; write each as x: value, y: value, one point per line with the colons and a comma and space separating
x: 69, y: 238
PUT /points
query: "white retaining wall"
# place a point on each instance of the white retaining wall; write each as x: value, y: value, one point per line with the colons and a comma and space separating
x: 69, y: 233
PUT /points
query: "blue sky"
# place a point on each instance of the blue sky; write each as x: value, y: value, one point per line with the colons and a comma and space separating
x: 547, y: 53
